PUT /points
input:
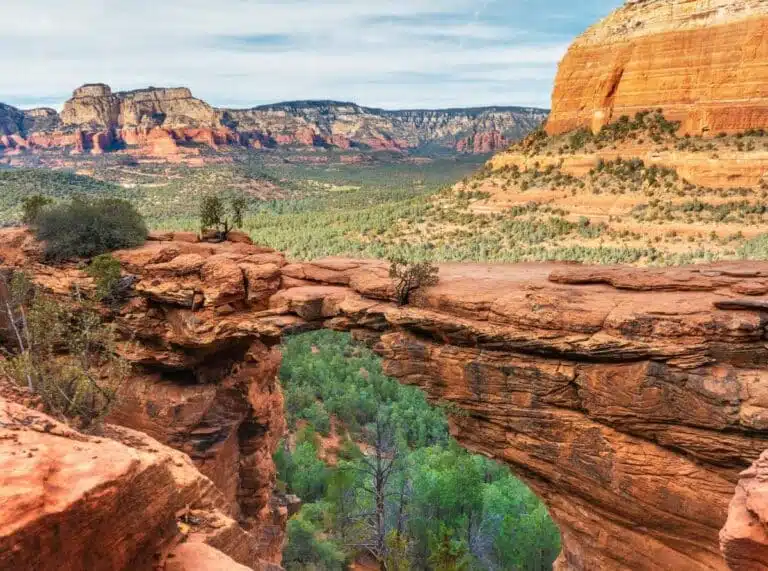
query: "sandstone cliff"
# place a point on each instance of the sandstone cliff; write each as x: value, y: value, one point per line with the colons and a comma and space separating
x: 199, y: 385
x: 159, y: 121
x: 345, y: 125
x: 630, y: 399
x: 702, y: 61
x: 119, y: 501
x: 744, y: 539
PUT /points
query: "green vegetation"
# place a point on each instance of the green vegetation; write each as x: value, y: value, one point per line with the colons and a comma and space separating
x: 409, y: 277
x: 17, y: 185
x: 105, y: 271
x: 221, y: 217
x: 89, y: 227
x: 380, y: 476
x: 64, y: 354
x: 32, y: 207
x: 388, y: 206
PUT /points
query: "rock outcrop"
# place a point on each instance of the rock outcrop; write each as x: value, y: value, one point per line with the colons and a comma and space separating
x: 200, y: 384
x: 629, y: 399
x: 119, y: 501
x: 702, y: 61
x: 348, y: 125
x: 165, y: 122
x: 744, y: 539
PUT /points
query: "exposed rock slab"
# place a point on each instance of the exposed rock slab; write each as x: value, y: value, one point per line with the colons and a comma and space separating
x: 77, y: 502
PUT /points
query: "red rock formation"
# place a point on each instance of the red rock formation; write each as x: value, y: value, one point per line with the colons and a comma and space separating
x: 340, y: 141
x: 627, y: 398
x: 702, y: 61
x: 203, y: 383
x: 744, y: 539
x: 120, y: 501
x: 630, y: 399
x: 129, y: 117
x: 481, y: 143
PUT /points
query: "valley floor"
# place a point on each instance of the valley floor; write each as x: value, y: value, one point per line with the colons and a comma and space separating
x: 566, y: 198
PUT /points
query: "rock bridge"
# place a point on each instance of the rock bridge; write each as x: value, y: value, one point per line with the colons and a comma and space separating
x: 629, y: 399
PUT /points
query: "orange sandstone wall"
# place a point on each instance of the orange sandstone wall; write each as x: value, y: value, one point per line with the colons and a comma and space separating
x: 704, y: 62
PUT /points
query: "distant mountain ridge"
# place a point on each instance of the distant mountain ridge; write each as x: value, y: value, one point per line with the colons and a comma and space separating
x: 164, y: 121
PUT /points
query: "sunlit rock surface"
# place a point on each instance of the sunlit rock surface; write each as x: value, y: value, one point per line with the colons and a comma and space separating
x: 629, y: 399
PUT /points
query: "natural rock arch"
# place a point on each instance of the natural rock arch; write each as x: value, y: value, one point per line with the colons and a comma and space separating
x: 629, y: 399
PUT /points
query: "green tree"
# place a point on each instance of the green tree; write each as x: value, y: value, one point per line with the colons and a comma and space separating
x: 397, y: 558
x: 105, y: 271
x: 448, y: 554
x: 220, y: 217
x: 306, y: 551
x: 302, y: 471
x: 32, y: 207
x: 65, y: 354
x: 408, y: 480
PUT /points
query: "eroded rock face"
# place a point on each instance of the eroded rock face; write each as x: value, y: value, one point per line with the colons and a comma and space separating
x: 119, y: 501
x: 702, y: 61
x: 629, y: 399
x: 205, y: 380
x: 744, y: 539
x: 97, y: 107
x: 157, y: 120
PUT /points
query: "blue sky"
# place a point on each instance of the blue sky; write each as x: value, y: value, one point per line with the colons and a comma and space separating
x: 240, y: 53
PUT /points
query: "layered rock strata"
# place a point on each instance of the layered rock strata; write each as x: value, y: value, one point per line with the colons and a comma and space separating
x: 702, y: 61
x: 744, y: 538
x: 165, y: 122
x: 198, y: 385
x: 629, y: 399
x: 119, y: 501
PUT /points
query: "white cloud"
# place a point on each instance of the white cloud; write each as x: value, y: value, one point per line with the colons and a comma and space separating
x: 398, y: 53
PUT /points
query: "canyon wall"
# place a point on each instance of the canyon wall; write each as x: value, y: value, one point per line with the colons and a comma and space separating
x: 702, y: 61
x: 198, y: 386
x: 170, y: 121
x: 347, y: 125
x: 629, y: 399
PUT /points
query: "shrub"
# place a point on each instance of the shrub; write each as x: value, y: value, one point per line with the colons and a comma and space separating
x: 306, y: 551
x: 105, y: 271
x: 32, y: 207
x: 65, y: 355
x: 85, y: 228
x: 409, y: 277
x: 579, y: 138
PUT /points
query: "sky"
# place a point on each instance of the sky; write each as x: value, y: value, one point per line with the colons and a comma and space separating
x: 394, y: 54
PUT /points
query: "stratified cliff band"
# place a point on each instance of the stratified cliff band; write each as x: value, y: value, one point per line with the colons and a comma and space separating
x: 96, y: 120
x: 704, y: 62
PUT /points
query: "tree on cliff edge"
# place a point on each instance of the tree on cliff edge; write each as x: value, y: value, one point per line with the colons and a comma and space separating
x: 216, y: 216
x: 409, y: 277
x: 63, y: 352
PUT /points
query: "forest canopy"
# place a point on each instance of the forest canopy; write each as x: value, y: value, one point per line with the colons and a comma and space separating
x: 381, y: 478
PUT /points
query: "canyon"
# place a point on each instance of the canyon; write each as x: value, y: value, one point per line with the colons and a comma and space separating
x: 629, y: 399
x: 167, y: 122
x: 633, y: 401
